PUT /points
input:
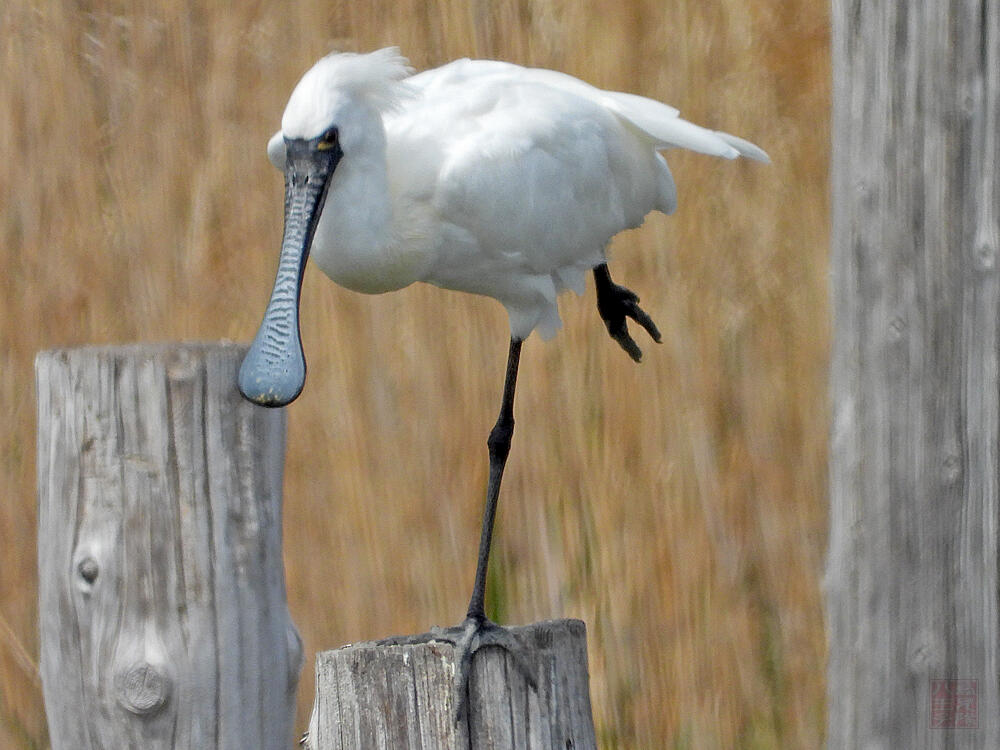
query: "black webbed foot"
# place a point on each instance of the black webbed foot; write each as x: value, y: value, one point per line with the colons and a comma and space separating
x: 615, y: 303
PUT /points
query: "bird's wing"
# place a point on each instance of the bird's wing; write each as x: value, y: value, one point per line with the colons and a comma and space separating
x: 660, y: 122
x: 537, y: 176
x: 664, y: 124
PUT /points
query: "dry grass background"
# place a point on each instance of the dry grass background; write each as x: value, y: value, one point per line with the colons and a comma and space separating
x: 678, y: 507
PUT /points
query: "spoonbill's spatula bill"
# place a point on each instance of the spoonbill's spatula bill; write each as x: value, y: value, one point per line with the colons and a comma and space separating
x: 274, y: 370
x: 479, y: 176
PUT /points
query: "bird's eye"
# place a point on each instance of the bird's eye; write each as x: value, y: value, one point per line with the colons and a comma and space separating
x: 329, y: 140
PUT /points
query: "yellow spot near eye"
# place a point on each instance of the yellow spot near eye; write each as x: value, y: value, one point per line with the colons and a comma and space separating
x: 324, y: 145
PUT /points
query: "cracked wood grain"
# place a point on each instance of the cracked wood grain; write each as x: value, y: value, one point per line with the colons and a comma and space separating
x: 164, y: 622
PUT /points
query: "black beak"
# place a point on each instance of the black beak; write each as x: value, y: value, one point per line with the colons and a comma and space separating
x: 274, y: 370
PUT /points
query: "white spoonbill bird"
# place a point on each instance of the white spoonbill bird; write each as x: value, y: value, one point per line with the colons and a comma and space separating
x: 478, y: 176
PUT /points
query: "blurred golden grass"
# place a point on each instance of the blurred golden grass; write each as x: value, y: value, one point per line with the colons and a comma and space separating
x: 678, y: 507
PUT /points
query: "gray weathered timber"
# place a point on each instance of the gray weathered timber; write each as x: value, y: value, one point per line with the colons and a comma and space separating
x: 164, y: 622
x: 912, y: 576
x: 391, y: 696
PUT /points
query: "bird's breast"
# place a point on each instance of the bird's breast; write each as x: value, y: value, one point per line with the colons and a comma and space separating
x: 368, y: 259
x: 365, y: 272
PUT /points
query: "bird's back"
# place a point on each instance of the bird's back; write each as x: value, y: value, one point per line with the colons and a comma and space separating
x: 527, y: 174
x: 479, y: 176
x: 526, y: 178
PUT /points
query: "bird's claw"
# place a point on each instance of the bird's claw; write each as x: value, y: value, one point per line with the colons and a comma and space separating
x: 473, y: 634
x: 615, y: 303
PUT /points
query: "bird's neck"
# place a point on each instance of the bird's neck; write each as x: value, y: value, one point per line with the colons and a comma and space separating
x: 371, y: 237
x: 360, y: 202
x: 355, y: 228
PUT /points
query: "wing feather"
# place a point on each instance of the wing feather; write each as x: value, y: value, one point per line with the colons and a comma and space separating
x: 660, y: 122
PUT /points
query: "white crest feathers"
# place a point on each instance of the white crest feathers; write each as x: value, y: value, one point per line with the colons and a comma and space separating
x: 375, y: 76
x: 376, y: 79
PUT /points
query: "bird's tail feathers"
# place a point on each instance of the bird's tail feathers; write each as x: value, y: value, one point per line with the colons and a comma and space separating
x: 747, y: 149
x: 663, y: 124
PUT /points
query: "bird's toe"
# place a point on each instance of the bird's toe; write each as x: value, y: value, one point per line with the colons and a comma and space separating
x: 468, y: 638
x: 625, y: 341
x: 616, y: 304
x: 640, y: 316
x: 615, y: 309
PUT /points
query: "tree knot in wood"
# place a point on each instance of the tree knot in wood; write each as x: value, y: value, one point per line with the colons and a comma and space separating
x: 926, y: 653
x: 897, y: 329
x: 951, y: 468
x: 88, y: 570
x: 143, y: 689
x: 986, y: 256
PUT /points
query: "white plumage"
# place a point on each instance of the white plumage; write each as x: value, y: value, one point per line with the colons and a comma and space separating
x: 483, y: 176
x: 478, y: 176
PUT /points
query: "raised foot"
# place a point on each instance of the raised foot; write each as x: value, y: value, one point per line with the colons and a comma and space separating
x: 471, y: 635
x: 615, y: 303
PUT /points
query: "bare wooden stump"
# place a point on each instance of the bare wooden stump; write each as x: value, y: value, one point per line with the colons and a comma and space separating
x: 913, y: 573
x: 384, y: 696
x: 164, y: 622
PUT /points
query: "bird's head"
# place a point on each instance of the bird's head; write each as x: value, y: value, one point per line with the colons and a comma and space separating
x: 332, y: 113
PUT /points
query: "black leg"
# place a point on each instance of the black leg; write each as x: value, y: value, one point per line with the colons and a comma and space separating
x: 477, y: 630
x: 499, y: 448
x: 615, y: 303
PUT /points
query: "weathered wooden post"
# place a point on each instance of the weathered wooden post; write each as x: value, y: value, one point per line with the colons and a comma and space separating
x: 912, y: 577
x: 164, y: 622
x: 400, y: 695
